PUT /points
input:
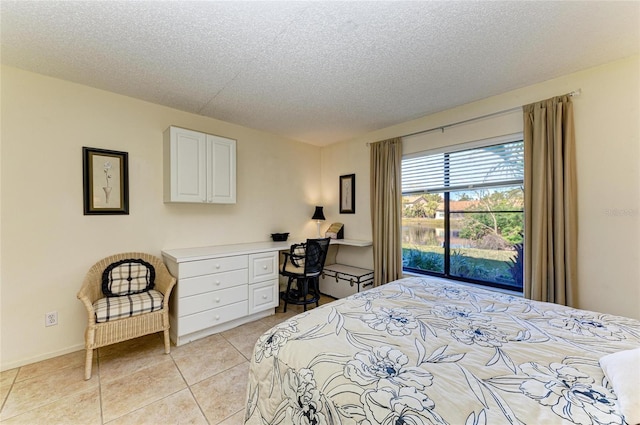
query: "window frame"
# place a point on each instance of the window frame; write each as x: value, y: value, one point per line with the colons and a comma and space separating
x: 447, y: 150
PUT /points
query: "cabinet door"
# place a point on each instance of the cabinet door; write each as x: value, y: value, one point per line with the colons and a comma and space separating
x: 263, y: 296
x: 221, y: 174
x: 185, y: 165
x: 263, y: 266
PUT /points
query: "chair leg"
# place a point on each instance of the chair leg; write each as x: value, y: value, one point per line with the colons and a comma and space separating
x: 286, y: 294
x: 316, y: 284
x: 305, y: 292
x: 167, y: 342
x: 88, y: 364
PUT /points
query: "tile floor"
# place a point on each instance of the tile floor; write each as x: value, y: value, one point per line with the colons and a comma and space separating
x: 134, y: 382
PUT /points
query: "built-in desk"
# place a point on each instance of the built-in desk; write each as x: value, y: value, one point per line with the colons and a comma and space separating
x: 221, y: 287
x: 351, y: 242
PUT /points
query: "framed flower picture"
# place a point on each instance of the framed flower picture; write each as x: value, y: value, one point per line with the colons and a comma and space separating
x: 348, y: 194
x: 105, y: 181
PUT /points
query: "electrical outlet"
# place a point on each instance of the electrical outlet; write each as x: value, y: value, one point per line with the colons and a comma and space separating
x: 51, y: 318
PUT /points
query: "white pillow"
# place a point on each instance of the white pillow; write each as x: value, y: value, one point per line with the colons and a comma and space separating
x: 623, y: 372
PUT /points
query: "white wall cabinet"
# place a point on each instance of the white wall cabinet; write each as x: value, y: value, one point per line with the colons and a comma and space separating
x: 220, y: 287
x: 198, y: 167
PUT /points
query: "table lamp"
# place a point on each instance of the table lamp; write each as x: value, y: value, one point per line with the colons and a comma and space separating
x: 318, y: 215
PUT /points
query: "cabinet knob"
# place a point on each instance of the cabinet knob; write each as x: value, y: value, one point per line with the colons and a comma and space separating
x: 217, y: 266
x: 217, y: 317
x: 218, y: 299
x: 264, y: 297
x: 217, y: 283
x: 264, y: 267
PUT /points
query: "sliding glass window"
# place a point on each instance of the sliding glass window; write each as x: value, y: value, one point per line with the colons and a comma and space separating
x: 463, y: 214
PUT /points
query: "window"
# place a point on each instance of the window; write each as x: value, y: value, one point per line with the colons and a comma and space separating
x: 463, y: 214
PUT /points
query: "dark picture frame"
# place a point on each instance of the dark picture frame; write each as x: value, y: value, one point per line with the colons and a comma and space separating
x: 348, y: 194
x: 105, y: 181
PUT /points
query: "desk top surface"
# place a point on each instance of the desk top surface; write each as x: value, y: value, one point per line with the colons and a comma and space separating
x: 181, y: 255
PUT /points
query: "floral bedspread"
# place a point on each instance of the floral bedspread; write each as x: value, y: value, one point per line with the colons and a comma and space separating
x: 423, y: 351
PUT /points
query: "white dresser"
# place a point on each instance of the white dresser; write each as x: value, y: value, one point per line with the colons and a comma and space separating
x: 221, y: 287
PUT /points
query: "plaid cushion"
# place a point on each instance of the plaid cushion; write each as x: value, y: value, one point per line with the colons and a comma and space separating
x: 290, y: 268
x: 298, y: 252
x: 112, y: 308
x: 128, y: 277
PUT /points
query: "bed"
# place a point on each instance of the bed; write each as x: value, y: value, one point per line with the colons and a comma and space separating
x: 426, y: 351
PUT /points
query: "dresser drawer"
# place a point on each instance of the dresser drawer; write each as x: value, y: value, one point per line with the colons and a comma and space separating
x: 263, y: 266
x: 211, y: 282
x: 263, y: 295
x: 201, y: 302
x: 213, y: 317
x: 215, y: 265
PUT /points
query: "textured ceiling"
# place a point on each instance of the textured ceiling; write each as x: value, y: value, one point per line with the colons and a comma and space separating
x: 318, y: 72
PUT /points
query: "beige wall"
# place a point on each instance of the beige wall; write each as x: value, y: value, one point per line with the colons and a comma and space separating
x: 608, y: 159
x: 48, y: 244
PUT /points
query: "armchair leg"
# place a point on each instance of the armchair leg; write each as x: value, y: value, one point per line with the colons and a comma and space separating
x: 88, y: 364
x: 167, y: 342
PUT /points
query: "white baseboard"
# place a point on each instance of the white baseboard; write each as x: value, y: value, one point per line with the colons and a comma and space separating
x: 40, y: 357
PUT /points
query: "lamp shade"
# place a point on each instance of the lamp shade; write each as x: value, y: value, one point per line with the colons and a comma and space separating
x: 318, y: 214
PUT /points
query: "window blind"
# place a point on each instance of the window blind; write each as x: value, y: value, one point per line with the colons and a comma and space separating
x: 488, y: 166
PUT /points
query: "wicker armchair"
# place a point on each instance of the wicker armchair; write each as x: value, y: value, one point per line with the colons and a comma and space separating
x: 99, y: 334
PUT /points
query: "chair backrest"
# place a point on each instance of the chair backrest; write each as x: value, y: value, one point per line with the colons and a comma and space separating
x: 91, y: 289
x: 315, y: 255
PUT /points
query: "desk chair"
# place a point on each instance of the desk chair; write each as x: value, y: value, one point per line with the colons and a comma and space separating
x: 304, y: 263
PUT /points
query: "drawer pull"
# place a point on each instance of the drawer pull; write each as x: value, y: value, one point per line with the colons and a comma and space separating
x: 217, y: 317
x: 218, y: 299
x: 217, y: 283
x: 264, y: 297
x: 217, y: 266
x: 264, y: 267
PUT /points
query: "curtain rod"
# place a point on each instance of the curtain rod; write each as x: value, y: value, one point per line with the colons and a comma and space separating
x: 504, y: 111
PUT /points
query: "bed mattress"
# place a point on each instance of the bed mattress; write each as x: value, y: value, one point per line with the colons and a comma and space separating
x: 426, y: 351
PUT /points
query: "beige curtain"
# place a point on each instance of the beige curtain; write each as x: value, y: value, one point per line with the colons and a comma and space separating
x: 551, y: 220
x: 386, y: 202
